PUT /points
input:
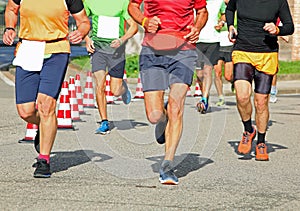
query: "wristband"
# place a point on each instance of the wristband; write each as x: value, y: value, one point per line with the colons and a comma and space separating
x: 120, y: 40
x: 144, y: 21
x: 277, y: 30
x: 9, y: 28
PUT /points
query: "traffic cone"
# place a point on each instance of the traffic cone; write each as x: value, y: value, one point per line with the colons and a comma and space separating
x: 79, y: 94
x: 64, y: 119
x: 108, y: 94
x: 198, y: 92
x: 139, y: 94
x: 88, y: 95
x: 73, y: 100
x: 125, y: 76
x: 31, y: 130
x: 189, y: 92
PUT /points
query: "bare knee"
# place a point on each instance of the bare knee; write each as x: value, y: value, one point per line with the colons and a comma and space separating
x: 261, y: 104
x: 242, y: 99
x: 26, y: 112
x: 46, y: 106
x: 155, y: 116
x: 228, y: 77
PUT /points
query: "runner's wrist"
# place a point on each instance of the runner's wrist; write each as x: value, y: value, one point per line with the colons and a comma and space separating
x: 9, y: 28
x: 144, y: 21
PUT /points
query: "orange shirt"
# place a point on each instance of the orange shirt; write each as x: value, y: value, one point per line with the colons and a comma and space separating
x: 45, y: 21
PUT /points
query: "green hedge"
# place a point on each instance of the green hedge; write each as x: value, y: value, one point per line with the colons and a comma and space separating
x: 132, y: 65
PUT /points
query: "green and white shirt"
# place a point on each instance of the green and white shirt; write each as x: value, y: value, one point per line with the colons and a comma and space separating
x: 108, y: 18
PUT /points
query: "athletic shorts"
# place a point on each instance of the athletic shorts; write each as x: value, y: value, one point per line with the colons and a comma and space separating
x: 159, y: 71
x: 114, y: 63
x: 246, y: 71
x: 225, y: 53
x: 208, y: 54
x: 48, y: 81
x: 264, y: 62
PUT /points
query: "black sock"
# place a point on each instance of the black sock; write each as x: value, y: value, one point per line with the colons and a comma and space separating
x: 104, y: 120
x: 248, y: 125
x: 261, y: 138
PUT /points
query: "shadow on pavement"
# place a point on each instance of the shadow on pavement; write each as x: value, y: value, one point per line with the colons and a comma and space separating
x: 62, y: 161
x: 249, y: 156
x: 186, y: 163
x: 126, y: 124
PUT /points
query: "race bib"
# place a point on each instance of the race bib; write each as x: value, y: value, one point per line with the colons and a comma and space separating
x: 30, y: 55
x: 108, y: 27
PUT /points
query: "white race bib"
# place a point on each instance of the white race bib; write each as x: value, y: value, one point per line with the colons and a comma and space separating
x: 108, y: 27
x: 30, y: 55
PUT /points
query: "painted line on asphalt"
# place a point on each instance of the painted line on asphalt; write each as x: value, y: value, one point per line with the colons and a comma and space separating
x: 6, y: 80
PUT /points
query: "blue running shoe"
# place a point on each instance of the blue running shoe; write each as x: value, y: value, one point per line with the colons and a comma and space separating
x: 167, y: 175
x: 126, y: 97
x: 202, y: 107
x: 104, y: 128
x: 160, y: 129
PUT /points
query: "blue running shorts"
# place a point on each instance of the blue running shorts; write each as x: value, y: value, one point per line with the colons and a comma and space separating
x: 47, y: 81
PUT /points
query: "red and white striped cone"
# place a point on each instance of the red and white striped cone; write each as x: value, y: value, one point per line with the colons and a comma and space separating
x: 64, y: 119
x: 108, y: 94
x: 79, y: 94
x: 198, y: 92
x: 189, y: 92
x: 31, y: 131
x: 73, y: 100
x: 125, y: 76
x: 139, y: 94
x: 88, y: 95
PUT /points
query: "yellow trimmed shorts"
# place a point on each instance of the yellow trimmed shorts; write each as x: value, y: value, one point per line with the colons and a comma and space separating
x: 263, y: 62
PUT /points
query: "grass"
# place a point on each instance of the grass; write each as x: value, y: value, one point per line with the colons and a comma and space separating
x: 132, y: 65
x: 289, y: 67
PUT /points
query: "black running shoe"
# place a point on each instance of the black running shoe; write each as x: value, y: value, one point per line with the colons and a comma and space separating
x: 36, y: 141
x: 160, y: 129
x: 42, y: 169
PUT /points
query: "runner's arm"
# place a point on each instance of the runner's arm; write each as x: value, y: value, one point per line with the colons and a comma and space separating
x: 83, y: 27
x: 11, y: 18
x: 131, y: 31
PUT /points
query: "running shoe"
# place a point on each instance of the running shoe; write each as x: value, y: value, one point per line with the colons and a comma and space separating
x: 160, y: 129
x: 36, y: 141
x: 42, y: 169
x: 126, y: 97
x: 273, y: 97
x: 202, y: 107
x: 104, y: 128
x: 261, y: 153
x: 167, y: 175
x: 246, y: 142
x: 220, y: 102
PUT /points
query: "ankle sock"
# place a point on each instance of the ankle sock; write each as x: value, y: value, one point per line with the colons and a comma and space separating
x: 248, y: 126
x: 260, y: 137
x: 273, y: 90
x: 45, y: 157
x: 204, y: 99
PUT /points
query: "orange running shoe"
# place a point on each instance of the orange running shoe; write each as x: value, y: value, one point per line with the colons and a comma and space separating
x: 261, y: 153
x: 246, y: 142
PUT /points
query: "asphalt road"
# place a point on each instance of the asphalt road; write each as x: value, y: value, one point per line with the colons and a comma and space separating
x: 119, y: 171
